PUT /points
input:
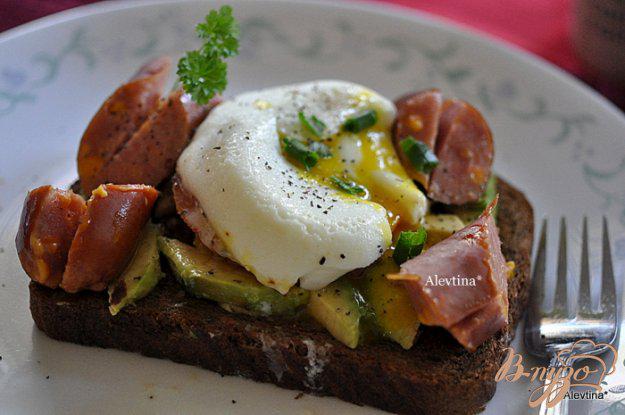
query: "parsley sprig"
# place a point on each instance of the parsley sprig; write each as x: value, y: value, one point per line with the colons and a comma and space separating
x: 203, y: 72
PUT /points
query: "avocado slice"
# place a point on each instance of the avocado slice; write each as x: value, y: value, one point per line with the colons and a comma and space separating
x: 394, y: 316
x: 441, y: 226
x: 207, y: 275
x: 141, y: 275
x: 337, y: 307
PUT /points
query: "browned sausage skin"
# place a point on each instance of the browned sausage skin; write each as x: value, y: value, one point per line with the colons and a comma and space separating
x: 418, y: 115
x: 465, y: 151
x: 49, y: 221
x: 118, y: 118
x: 149, y: 157
x: 106, y: 237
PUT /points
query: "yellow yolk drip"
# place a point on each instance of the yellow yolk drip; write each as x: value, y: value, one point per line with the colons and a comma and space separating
x: 375, y: 154
x: 368, y: 158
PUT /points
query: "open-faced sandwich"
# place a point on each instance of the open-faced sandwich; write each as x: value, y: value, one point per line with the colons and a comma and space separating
x: 317, y: 236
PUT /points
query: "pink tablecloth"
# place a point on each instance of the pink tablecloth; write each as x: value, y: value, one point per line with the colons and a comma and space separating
x: 539, y: 26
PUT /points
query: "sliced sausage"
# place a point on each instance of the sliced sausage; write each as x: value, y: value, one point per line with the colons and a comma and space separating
x: 118, y: 118
x: 418, y: 115
x: 465, y: 152
x: 192, y: 214
x: 472, y: 311
x: 49, y: 221
x: 107, y: 235
x: 479, y: 326
x: 149, y: 157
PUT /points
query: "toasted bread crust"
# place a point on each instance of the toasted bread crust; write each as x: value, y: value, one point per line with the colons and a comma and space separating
x: 436, y: 376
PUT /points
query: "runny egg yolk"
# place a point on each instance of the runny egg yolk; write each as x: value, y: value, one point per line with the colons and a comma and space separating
x: 368, y: 159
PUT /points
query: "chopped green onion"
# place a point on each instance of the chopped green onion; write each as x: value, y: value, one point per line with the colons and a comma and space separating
x: 312, y: 124
x: 420, y: 155
x: 320, y: 148
x: 361, y: 121
x: 300, y: 152
x: 489, y: 193
x: 409, y: 245
x: 348, y: 187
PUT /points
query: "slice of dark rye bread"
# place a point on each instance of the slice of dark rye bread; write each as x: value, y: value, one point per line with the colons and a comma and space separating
x: 436, y: 376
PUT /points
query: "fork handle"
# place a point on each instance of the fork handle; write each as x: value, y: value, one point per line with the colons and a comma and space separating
x: 562, y: 407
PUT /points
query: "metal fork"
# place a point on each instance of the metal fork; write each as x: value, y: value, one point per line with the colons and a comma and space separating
x: 548, y: 331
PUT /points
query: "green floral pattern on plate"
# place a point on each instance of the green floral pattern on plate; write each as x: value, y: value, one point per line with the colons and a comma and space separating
x: 23, y: 85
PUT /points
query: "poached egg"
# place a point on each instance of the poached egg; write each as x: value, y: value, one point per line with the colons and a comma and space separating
x: 280, y: 221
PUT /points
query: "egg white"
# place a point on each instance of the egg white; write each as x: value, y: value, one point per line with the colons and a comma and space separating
x: 278, y: 223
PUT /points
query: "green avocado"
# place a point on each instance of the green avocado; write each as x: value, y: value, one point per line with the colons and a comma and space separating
x: 141, y: 275
x: 440, y: 226
x: 207, y: 275
x: 393, y: 316
x: 337, y: 307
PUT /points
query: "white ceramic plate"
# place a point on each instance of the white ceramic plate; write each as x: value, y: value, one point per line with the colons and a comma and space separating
x: 557, y: 140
